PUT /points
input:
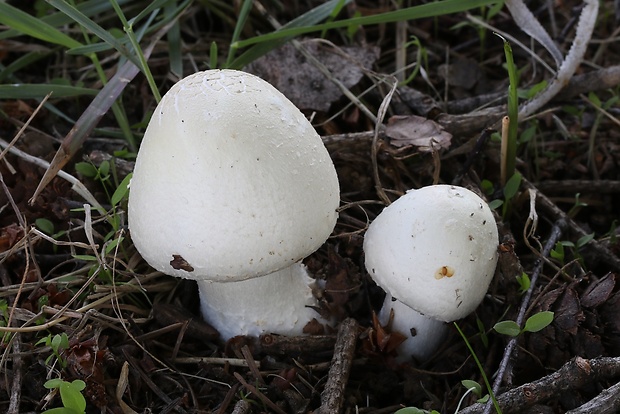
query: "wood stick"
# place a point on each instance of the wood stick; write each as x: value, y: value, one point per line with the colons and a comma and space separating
x: 332, y: 396
x: 607, y: 402
x: 573, y: 375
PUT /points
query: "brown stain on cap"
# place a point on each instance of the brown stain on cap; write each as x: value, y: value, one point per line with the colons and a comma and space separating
x: 444, y: 271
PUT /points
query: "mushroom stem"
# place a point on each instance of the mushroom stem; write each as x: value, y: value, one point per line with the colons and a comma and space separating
x: 435, y: 249
x: 280, y: 302
x: 424, y: 335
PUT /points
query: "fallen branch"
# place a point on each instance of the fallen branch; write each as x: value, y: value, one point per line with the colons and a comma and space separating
x: 579, y: 186
x: 607, y: 402
x: 333, y: 394
x: 573, y: 375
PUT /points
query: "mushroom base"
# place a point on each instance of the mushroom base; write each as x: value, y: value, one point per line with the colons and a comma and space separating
x: 280, y: 303
x: 424, y: 335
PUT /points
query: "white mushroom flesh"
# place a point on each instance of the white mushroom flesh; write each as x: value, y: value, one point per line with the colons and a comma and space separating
x: 281, y: 303
x: 423, y: 336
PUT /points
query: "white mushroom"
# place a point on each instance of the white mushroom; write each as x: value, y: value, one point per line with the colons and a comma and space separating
x: 434, y: 252
x: 232, y: 182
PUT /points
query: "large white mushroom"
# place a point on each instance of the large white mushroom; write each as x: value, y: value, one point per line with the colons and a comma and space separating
x: 232, y: 188
x: 434, y: 252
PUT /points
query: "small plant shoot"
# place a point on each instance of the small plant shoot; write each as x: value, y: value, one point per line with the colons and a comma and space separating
x: 58, y: 343
x: 534, y: 323
x: 524, y: 282
x: 71, y: 395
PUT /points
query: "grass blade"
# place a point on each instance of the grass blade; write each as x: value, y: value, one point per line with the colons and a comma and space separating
x: 513, y: 114
x: 142, y: 63
x: 31, y: 26
x: 91, y: 116
x: 411, y: 13
x: 174, y: 42
x: 94, y: 28
x: 87, y: 121
x: 21, y: 62
x: 243, y: 17
x: 309, y: 18
x: 38, y: 91
x: 89, y: 8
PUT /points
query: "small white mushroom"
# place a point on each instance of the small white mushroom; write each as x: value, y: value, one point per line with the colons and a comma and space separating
x: 434, y: 252
x: 232, y: 182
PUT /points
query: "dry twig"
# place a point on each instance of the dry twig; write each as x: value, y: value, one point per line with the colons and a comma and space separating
x: 573, y: 375
x: 607, y: 402
x: 333, y: 394
x: 259, y: 394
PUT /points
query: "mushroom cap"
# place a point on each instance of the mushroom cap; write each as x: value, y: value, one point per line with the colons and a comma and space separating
x: 231, y: 181
x: 435, y: 250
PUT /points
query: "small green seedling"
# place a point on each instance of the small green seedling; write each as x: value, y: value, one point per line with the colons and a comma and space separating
x: 524, y: 282
x: 558, y: 253
x: 487, y: 384
x: 576, y: 207
x: 71, y: 395
x: 47, y: 227
x: 532, y: 91
x: 421, y: 58
x: 58, y: 343
x: 534, y: 323
x: 105, y: 174
x: 88, y: 169
x: 528, y: 134
x: 510, y: 191
x: 613, y: 238
x: 4, y: 319
x: 476, y: 389
x: 4, y: 311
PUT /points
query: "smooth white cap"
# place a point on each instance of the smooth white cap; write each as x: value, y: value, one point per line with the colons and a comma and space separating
x: 435, y: 250
x: 231, y: 181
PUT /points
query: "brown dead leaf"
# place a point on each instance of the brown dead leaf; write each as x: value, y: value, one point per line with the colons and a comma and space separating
x: 598, y: 291
x: 314, y: 327
x: 17, y: 109
x: 295, y: 76
x: 568, y: 313
x: 339, y: 283
x: 609, y: 314
x: 463, y: 73
x: 85, y: 360
x: 417, y: 131
x: 9, y: 235
x: 121, y: 387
